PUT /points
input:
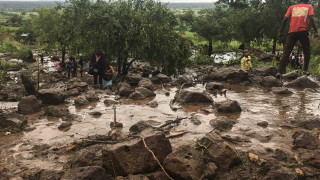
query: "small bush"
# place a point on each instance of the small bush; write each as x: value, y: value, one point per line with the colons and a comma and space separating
x: 6, y: 64
x: 200, y: 59
x: 16, y: 49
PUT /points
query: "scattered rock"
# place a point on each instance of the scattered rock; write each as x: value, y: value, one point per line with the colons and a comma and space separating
x: 133, y: 158
x: 185, y: 97
x: 281, y: 90
x: 29, y: 84
x: 73, y: 92
x: 263, y: 124
x: 305, y: 140
x: 134, y: 79
x: 89, y: 172
x: 65, y: 126
x: 280, y: 155
x: 81, y: 101
x: 230, y: 75
x: 280, y: 173
x: 146, y: 92
x: 185, y: 80
x: 79, y: 85
x: 270, y: 81
x: 139, y: 127
x: 161, y: 78
x: 153, y: 104
x: 146, y: 83
x: 109, y: 102
x: 291, y: 75
x: 12, y: 120
x: 124, y: 89
x: 222, y: 123
x: 167, y: 93
x: 265, y: 71
x: 92, y: 96
x: 214, y: 86
x: 310, y: 123
x: 96, y: 113
x: 55, y: 111
x: 303, y: 82
x: 194, y: 120
x: 136, y: 96
x: 228, y: 106
x: 29, y: 105
x: 187, y: 163
x: 90, y: 156
x: 51, y: 96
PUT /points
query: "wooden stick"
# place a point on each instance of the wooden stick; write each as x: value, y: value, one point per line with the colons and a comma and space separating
x: 175, y: 121
x: 154, y: 156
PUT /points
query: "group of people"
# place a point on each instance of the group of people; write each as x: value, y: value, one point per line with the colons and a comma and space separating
x: 70, y: 66
x: 296, y: 60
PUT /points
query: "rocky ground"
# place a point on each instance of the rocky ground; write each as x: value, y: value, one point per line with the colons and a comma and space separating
x: 210, y: 123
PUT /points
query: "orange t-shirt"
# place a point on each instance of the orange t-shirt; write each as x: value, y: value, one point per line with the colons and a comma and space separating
x: 298, y: 15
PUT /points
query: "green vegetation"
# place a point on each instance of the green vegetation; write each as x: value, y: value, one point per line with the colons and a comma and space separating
x: 16, y: 49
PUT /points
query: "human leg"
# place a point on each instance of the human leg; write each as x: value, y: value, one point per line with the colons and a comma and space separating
x: 304, y: 40
x: 290, y: 42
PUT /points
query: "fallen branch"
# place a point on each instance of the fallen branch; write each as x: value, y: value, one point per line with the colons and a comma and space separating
x: 154, y: 156
x: 172, y: 122
x: 177, y: 135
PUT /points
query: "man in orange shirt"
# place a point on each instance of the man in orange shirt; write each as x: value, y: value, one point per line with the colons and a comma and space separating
x: 299, y: 16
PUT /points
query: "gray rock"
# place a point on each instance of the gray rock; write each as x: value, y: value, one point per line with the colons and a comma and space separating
x: 90, y: 156
x: 228, y: 106
x: 89, y: 172
x: 263, y: 124
x: 55, y: 111
x: 270, y: 81
x: 303, y: 82
x: 81, y: 101
x: 51, y: 96
x: 214, y: 86
x: 139, y: 127
x: 281, y: 90
x: 187, y: 163
x: 12, y: 120
x: 65, y: 126
x: 185, y: 80
x: 134, y: 79
x: 185, y: 97
x: 280, y: 155
x: 305, y: 140
x: 291, y: 75
x: 231, y: 75
x: 265, y: 71
x: 161, y: 78
x: 79, y: 85
x: 133, y: 158
x: 29, y: 84
x: 310, y: 123
x: 153, y: 104
x: 146, y: 92
x: 222, y: 123
x: 311, y: 158
x: 109, y: 102
x: 73, y: 92
x: 281, y: 173
x: 146, y: 83
x: 124, y: 89
x: 92, y: 96
x: 29, y: 105
x: 136, y: 96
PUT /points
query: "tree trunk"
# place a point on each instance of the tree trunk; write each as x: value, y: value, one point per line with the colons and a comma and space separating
x: 63, y: 54
x: 210, y: 48
x: 274, y: 46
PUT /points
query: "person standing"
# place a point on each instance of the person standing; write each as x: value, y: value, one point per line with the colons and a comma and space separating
x: 81, y: 65
x: 299, y: 15
x: 246, y: 64
x: 98, y: 63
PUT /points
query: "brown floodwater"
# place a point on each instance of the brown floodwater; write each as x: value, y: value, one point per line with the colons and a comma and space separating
x: 257, y: 105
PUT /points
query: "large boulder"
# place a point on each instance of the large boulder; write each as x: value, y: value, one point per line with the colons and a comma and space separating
x: 270, y: 81
x: 134, y: 79
x: 265, y: 71
x: 230, y: 75
x: 12, y: 120
x: 146, y: 83
x: 161, y: 78
x: 51, y: 96
x: 228, y: 106
x: 184, y: 97
x: 303, y: 82
x: 146, y: 92
x: 124, y: 89
x: 89, y: 172
x: 133, y: 157
x: 222, y: 123
x: 90, y: 156
x: 29, y: 84
x: 55, y: 111
x: 29, y: 105
x: 187, y: 163
x: 219, y: 152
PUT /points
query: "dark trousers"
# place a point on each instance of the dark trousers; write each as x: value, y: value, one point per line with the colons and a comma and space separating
x: 291, y: 40
x: 95, y: 78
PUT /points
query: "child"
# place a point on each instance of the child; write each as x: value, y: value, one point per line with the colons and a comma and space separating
x: 246, y: 61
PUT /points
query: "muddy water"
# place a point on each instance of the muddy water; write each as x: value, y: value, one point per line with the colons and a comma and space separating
x: 257, y: 105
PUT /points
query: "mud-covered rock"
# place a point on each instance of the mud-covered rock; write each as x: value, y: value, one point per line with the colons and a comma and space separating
x: 12, y: 120
x: 270, y: 81
x: 305, y: 140
x: 214, y: 86
x: 81, y: 101
x: 29, y: 84
x: 265, y: 71
x: 133, y: 158
x: 231, y: 75
x: 280, y: 155
x: 281, y: 173
x: 134, y: 79
x: 228, y: 106
x: 291, y: 75
x: 133, y: 177
x: 124, y: 89
x: 55, y: 111
x: 109, y: 102
x: 73, y: 92
x: 51, y: 96
x: 303, y: 82
x: 89, y: 172
x: 222, y: 123
x: 139, y: 127
x: 263, y: 124
x: 185, y: 80
x: 309, y: 123
x: 92, y: 96
x: 219, y: 152
x: 187, y: 163
x: 153, y: 104
x: 29, y: 105
x: 185, y: 97
x: 65, y: 126
x: 146, y: 92
x: 311, y: 158
x: 90, y: 156
x: 79, y: 85
x: 136, y: 96
x: 281, y: 90
x: 161, y: 78
x: 146, y: 83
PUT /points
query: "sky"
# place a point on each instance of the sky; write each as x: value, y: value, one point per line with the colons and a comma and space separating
x: 175, y: 1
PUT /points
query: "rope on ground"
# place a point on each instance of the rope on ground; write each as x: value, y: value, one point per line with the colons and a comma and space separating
x: 154, y: 156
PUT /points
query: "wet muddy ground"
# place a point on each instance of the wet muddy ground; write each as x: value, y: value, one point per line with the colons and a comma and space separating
x: 21, y: 151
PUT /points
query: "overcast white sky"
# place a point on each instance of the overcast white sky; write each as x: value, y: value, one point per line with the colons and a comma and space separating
x: 182, y: 1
